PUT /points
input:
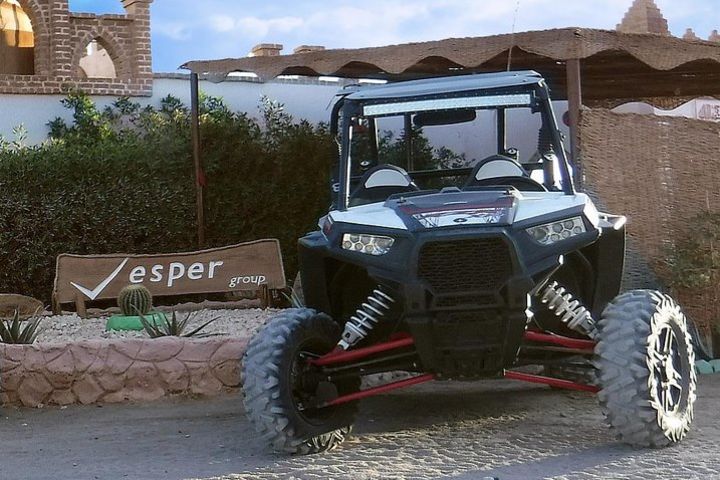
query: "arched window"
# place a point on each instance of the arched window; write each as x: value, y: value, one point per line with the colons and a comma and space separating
x: 17, y: 42
x: 97, y: 62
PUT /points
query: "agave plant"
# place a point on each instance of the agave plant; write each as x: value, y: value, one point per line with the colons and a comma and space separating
x: 18, y: 331
x: 172, y: 327
x: 293, y: 299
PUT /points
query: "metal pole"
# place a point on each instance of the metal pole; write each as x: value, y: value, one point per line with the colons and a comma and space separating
x: 501, y: 135
x: 197, y: 160
x: 409, y: 142
x: 346, y: 160
x: 574, y: 96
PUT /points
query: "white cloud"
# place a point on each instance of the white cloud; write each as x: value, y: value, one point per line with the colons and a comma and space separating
x: 222, y: 23
x: 254, y: 27
x: 232, y: 27
x: 173, y: 30
x: 375, y: 23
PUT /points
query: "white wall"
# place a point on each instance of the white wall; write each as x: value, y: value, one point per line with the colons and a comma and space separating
x: 302, y: 100
x: 306, y: 99
x: 707, y: 109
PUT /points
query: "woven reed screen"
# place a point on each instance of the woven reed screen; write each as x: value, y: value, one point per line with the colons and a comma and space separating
x: 659, y: 172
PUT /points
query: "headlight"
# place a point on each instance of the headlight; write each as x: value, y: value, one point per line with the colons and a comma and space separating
x: 370, y: 244
x: 550, y: 233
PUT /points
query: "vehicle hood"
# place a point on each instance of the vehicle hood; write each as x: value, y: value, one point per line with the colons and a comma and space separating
x: 461, y: 209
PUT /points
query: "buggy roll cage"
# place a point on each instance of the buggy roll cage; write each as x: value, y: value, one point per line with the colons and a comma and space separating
x: 346, y: 108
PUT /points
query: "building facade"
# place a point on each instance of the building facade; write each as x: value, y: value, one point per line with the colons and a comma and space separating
x: 44, y: 48
x: 47, y: 50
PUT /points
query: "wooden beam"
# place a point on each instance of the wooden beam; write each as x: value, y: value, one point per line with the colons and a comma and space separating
x: 197, y: 157
x: 574, y: 94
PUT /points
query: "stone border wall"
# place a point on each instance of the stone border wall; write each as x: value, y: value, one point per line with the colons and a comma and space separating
x: 111, y: 371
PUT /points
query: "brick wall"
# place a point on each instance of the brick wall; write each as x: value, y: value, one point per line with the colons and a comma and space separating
x: 61, y: 37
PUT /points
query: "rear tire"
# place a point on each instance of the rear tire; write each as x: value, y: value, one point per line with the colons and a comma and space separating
x: 646, y: 369
x: 280, y: 388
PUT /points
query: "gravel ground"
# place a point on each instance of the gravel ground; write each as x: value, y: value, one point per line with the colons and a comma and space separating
x: 69, y: 328
x: 441, y: 430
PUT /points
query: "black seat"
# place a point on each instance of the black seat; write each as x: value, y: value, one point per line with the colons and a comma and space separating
x: 378, y: 183
x: 501, y: 170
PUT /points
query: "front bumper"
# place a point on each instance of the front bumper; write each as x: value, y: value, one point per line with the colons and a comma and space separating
x: 468, y: 306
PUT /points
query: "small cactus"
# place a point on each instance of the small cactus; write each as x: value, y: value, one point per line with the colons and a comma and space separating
x: 135, y: 300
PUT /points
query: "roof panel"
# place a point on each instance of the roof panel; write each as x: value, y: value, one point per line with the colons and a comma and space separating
x: 660, y: 59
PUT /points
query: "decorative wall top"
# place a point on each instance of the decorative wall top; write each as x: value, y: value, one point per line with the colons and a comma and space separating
x: 101, y: 54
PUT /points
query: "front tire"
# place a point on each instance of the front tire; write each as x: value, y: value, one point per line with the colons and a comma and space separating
x: 646, y: 369
x: 281, y: 391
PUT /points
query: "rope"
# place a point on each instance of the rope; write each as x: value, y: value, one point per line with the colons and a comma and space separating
x: 512, y: 36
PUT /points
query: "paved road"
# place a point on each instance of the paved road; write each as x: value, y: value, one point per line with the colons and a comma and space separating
x: 459, y: 431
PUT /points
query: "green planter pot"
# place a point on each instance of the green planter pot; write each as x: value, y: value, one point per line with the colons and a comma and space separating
x: 133, y: 322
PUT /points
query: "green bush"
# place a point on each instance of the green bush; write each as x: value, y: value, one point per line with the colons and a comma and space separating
x: 694, y: 262
x: 692, y: 269
x: 121, y: 180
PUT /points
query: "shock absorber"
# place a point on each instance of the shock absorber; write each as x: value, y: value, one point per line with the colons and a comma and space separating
x: 569, y: 309
x: 369, y: 314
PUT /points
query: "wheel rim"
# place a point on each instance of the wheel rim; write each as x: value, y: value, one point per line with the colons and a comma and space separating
x: 667, y: 369
x: 672, y: 375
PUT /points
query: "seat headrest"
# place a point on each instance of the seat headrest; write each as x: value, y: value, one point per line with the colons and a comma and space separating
x: 380, y: 182
x: 499, y: 167
x: 387, y: 177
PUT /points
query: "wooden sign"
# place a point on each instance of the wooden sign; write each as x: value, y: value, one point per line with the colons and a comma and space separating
x: 252, y: 266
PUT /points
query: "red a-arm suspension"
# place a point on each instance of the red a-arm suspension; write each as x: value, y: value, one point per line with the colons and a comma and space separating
x: 335, y: 358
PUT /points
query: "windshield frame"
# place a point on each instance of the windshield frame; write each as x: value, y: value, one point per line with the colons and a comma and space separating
x: 345, y: 110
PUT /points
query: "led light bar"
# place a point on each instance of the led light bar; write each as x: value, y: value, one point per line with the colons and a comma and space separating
x: 515, y: 100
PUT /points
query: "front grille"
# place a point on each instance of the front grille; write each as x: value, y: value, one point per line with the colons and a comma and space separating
x: 480, y: 264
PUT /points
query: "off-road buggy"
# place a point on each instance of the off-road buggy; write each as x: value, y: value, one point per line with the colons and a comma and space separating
x: 462, y: 269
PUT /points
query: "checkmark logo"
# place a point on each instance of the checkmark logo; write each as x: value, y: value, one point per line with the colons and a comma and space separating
x: 93, y: 294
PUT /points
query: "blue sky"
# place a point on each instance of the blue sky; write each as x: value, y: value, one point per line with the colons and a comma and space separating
x: 201, y: 29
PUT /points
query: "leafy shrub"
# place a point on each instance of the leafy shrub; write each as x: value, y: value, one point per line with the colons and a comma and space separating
x: 693, y: 272
x: 695, y: 260
x: 122, y: 180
